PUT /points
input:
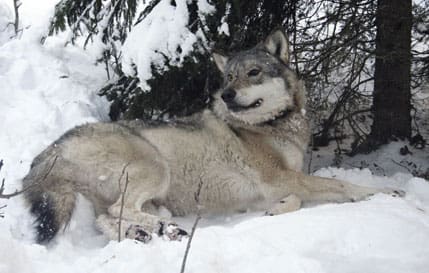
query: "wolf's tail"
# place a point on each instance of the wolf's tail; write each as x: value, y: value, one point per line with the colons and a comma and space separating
x: 50, y: 196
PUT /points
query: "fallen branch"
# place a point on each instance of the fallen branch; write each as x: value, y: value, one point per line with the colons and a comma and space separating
x: 403, y: 166
x: 194, y: 227
x: 122, y: 198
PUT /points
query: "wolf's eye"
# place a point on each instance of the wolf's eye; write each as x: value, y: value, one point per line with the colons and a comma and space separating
x: 254, y: 72
x: 229, y: 77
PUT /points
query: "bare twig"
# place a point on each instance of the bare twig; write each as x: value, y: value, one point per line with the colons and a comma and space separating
x: 122, y: 198
x: 16, y: 5
x: 194, y: 227
x: 1, y: 190
x: 1, y: 213
x: 188, y: 245
x: 311, y: 154
x: 403, y: 166
x: 8, y: 196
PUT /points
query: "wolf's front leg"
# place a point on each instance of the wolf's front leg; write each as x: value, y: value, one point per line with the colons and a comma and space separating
x: 321, y: 190
x: 318, y: 189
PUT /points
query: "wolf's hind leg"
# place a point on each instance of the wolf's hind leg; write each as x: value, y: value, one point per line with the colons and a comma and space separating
x: 146, y: 180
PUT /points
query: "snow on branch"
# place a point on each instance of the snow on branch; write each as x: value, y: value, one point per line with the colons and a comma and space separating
x: 88, y: 18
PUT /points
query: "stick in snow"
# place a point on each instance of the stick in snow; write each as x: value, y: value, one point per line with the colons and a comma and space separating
x: 194, y: 227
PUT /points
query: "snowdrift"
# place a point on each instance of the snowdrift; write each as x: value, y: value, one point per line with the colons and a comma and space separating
x: 45, y: 90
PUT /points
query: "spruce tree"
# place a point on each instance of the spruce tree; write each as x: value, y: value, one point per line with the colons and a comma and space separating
x: 332, y: 49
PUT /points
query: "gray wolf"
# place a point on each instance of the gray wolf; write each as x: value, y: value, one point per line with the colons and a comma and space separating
x: 245, y: 152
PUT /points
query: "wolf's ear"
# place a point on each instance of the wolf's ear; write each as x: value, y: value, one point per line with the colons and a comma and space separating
x: 278, y: 45
x: 220, y: 61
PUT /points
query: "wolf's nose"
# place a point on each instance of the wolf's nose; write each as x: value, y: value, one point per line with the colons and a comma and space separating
x: 228, y: 95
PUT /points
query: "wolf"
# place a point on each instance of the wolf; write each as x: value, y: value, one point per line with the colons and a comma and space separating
x: 244, y: 152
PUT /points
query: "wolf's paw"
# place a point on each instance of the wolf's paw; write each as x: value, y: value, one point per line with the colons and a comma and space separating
x: 288, y: 204
x: 171, y: 231
x: 394, y: 192
x: 136, y: 232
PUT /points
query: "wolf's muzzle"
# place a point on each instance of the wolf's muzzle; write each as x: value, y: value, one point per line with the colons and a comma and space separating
x: 228, y: 95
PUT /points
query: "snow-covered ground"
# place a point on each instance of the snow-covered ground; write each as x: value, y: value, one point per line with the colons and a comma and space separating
x: 45, y: 90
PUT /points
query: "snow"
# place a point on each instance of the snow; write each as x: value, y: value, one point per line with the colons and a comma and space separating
x: 48, y: 89
x: 6, y: 17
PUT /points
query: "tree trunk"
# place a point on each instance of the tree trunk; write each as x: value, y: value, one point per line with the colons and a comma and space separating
x: 392, y: 105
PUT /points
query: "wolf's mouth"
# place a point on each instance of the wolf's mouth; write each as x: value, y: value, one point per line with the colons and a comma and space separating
x: 235, y: 107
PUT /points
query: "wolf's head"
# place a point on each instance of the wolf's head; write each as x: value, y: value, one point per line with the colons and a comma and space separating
x: 258, y: 85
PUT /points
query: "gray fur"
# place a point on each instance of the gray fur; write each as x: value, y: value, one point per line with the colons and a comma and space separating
x: 247, y: 159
